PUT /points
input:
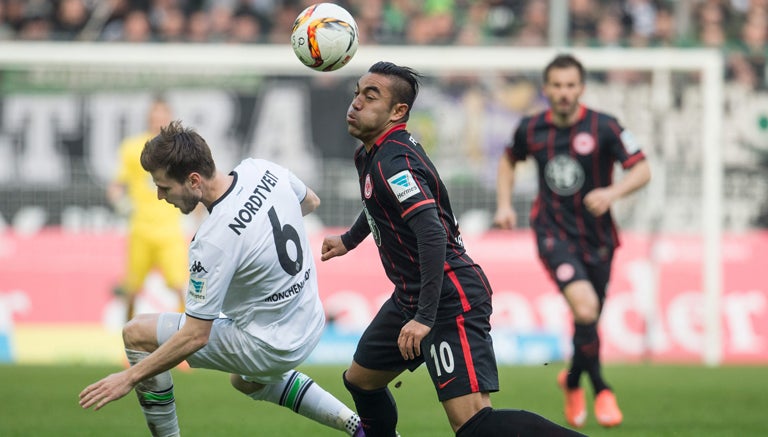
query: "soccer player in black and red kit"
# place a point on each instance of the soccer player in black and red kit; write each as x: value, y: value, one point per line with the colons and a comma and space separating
x: 575, y: 149
x: 439, y: 312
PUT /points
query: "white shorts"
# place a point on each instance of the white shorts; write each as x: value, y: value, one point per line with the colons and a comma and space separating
x: 231, y: 350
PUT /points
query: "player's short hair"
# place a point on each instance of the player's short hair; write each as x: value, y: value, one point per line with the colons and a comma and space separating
x: 564, y: 61
x: 405, y: 83
x: 179, y: 151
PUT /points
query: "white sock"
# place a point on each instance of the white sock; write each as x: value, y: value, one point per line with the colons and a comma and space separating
x: 156, y: 398
x: 301, y: 394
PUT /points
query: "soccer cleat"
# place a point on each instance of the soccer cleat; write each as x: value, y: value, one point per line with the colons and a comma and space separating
x: 575, y: 402
x: 184, y: 367
x: 607, y: 409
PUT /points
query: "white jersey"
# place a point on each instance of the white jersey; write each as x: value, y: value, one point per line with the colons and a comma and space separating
x: 251, y: 259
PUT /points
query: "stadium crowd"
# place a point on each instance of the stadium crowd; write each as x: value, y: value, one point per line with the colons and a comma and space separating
x: 738, y: 27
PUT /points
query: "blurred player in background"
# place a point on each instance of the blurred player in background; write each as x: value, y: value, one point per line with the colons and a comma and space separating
x: 156, y: 238
x: 440, y: 310
x: 575, y: 149
x: 250, y: 260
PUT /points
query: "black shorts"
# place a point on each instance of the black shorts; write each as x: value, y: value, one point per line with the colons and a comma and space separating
x: 565, y: 264
x: 458, y: 351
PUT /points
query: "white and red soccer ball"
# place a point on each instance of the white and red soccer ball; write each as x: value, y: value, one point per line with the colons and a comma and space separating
x: 324, y: 37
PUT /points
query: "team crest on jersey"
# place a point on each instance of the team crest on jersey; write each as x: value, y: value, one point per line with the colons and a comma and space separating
x: 564, y: 175
x: 197, y: 289
x: 403, y: 185
x: 368, y: 186
x: 583, y: 143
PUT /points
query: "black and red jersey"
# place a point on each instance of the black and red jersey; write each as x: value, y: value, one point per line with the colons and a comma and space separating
x: 571, y: 162
x: 397, y: 182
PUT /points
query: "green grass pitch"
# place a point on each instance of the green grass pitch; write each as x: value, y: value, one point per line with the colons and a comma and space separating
x: 657, y: 401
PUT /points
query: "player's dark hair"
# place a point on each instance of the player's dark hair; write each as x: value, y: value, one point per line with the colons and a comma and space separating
x: 159, y: 97
x: 405, y: 86
x: 564, y: 61
x: 179, y: 151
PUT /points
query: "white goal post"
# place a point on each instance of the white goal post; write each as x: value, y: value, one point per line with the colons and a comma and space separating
x: 279, y: 59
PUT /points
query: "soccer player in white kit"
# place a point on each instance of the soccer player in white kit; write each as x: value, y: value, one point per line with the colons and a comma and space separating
x: 252, y: 304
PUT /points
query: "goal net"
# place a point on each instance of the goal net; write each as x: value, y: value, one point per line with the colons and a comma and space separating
x: 66, y: 106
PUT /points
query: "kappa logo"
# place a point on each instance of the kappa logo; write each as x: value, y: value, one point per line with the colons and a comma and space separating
x: 403, y: 185
x: 197, y: 267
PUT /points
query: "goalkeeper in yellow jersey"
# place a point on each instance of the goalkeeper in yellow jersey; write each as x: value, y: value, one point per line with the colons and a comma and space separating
x: 156, y: 238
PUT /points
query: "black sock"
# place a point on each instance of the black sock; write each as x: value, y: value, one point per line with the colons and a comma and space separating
x: 519, y: 423
x: 586, y: 356
x: 376, y: 408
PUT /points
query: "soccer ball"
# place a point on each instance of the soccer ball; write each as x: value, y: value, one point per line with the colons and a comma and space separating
x: 324, y: 37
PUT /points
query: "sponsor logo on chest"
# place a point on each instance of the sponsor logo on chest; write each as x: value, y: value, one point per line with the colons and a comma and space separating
x: 564, y: 175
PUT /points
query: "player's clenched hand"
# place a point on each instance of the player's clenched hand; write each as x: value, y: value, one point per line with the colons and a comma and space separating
x: 109, y: 389
x: 598, y: 201
x: 332, y: 246
x: 410, y: 338
x: 505, y: 218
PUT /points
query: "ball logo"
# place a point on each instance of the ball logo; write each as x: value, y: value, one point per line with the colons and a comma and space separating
x: 583, y: 143
x: 368, y: 187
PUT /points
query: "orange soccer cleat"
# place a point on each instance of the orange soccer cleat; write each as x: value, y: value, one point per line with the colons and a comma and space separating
x: 607, y: 409
x: 575, y: 402
x: 184, y: 367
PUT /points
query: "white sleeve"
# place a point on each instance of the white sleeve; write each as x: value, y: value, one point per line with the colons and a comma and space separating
x: 298, y: 186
